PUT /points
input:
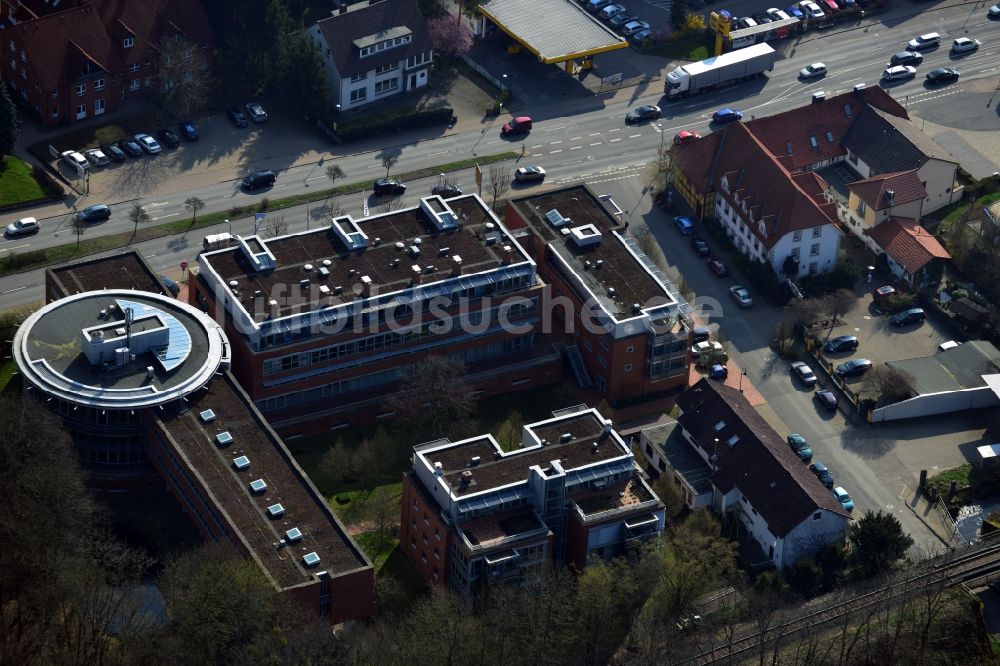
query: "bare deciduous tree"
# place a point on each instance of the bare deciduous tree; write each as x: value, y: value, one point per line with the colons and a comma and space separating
x: 435, y: 399
x: 183, y: 76
x: 388, y: 162
x: 274, y: 227
x: 499, y: 182
x: 335, y: 173
x: 194, y: 204
x: 138, y: 215
x: 807, y: 310
x: 389, y: 204
x: 889, y: 384
x: 838, y: 303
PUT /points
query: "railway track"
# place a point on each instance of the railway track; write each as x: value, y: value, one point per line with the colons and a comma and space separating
x: 953, y: 569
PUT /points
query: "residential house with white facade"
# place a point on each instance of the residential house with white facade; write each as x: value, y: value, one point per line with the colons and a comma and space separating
x: 760, y: 179
x: 754, y: 475
x: 373, y: 50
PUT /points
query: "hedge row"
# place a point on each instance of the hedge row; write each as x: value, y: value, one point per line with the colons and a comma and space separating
x: 392, y: 121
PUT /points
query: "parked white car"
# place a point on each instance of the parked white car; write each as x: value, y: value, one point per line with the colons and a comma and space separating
x: 811, y: 9
x: 75, y: 159
x: 148, y: 143
x: 634, y: 27
x: 776, y: 14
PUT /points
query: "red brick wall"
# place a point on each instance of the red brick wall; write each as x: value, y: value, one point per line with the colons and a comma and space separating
x: 420, y: 519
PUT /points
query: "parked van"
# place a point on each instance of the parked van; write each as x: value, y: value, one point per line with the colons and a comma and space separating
x: 259, y: 179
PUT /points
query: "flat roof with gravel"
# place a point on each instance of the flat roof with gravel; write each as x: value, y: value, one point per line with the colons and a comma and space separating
x: 555, y: 31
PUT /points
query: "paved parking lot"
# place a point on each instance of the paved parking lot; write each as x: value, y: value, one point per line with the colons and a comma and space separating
x: 879, y: 341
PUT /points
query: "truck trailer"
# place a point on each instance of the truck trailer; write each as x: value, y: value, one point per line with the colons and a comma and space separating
x: 727, y: 68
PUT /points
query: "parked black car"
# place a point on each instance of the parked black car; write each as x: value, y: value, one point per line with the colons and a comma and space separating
x: 700, y: 246
x: 236, y: 117
x: 114, y: 153
x: 827, y: 399
x: 130, y: 146
x: 168, y: 138
x: 856, y: 366
x: 911, y: 316
x: 844, y: 343
x: 822, y: 473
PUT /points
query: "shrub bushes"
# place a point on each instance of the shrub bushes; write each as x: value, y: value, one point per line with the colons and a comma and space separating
x: 49, y: 184
x: 392, y: 121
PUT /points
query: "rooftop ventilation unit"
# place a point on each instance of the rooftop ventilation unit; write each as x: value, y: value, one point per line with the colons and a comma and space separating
x: 275, y: 511
x: 418, y: 240
x: 224, y: 439
x: 258, y: 486
x: 349, y: 233
x: 556, y: 219
x: 207, y: 416
x: 443, y: 251
x: 490, y: 226
x: 565, y: 437
x: 293, y: 535
x: 438, y: 469
x: 599, y: 263
x: 636, y: 308
x: 466, y: 478
x: 586, y: 235
x: 377, y: 241
x: 611, y: 292
x: 307, y: 267
x: 310, y: 559
x: 241, y: 463
x: 399, y: 245
x: 327, y: 262
x: 323, y: 271
x: 475, y: 461
x: 414, y: 251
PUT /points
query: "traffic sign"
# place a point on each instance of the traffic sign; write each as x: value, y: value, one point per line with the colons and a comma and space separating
x: 184, y: 265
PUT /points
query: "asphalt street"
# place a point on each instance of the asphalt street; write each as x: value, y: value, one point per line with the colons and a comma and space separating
x: 592, y: 143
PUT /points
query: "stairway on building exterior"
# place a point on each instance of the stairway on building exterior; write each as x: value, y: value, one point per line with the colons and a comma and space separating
x: 576, y: 363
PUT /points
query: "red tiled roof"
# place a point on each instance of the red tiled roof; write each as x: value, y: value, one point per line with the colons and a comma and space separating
x: 766, y: 195
x: 696, y: 159
x: 60, y: 44
x: 906, y: 186
x: 788, y: 136
x: 909, y: 244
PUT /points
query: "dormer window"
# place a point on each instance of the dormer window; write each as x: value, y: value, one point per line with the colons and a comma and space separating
x: 128, y: 42
x: 387, y: 39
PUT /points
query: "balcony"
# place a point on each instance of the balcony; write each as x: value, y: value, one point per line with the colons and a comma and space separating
x: 495, y: 535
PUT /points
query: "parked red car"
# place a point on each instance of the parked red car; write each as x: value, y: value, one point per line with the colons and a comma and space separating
x: 716, y: 266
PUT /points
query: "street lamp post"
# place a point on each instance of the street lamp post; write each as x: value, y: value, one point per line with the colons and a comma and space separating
x: 503, y: 86
x: 230, y: 227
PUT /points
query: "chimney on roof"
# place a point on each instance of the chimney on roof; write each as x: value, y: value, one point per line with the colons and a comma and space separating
x: 507, y: 253
x: 818, y: 97
x: 366, y: 286
x: 415, y: 274
x: 343, y: 7
x: 859, y: 90
x: 456, y: 264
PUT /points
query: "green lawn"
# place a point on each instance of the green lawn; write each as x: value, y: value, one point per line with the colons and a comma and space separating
x: 369, y: 543
x: 17, y: 185
x: 972, y: 483
x: 687, y: 48
x: 7, y: 370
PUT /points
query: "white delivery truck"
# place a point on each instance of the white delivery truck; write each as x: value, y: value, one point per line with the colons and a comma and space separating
x: 729, y: 67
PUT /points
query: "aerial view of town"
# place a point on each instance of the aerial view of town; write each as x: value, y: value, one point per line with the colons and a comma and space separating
x: 500, y: 333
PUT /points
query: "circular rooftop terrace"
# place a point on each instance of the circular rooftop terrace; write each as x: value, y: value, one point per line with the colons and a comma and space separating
x: 119, y: 349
